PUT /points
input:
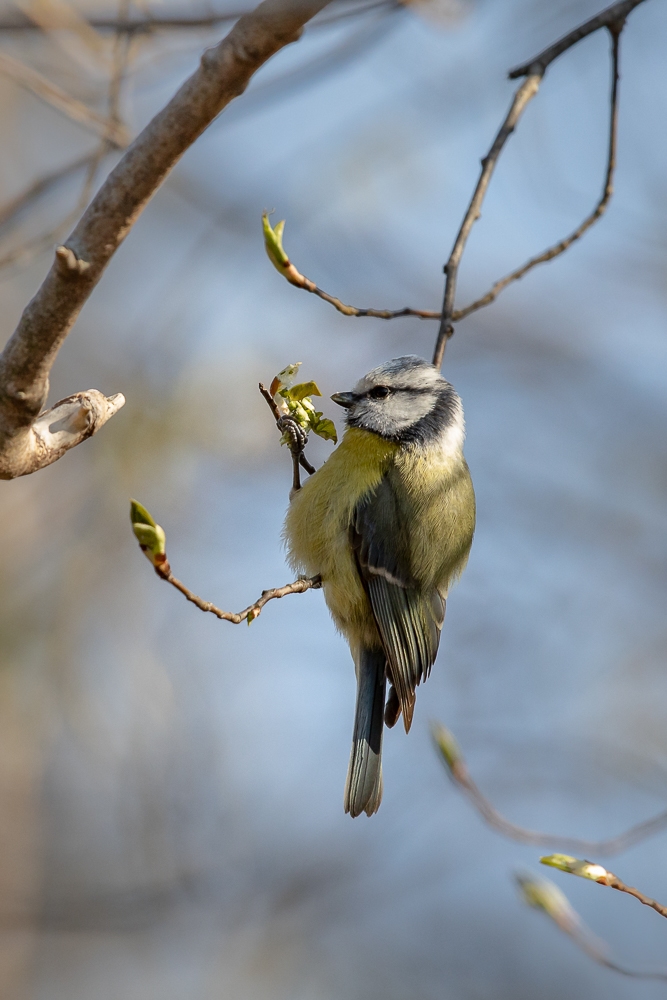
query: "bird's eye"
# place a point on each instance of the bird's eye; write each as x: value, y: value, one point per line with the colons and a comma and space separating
x: 379, y: 392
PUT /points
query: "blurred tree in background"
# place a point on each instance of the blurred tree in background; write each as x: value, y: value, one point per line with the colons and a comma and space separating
x: 155, y: 838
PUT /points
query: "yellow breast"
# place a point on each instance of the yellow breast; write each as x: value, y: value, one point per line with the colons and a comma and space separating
x: 319, y: 517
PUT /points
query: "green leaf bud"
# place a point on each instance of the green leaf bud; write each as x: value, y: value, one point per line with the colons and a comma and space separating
x: 576, y: 866
x: 139, y: 514
x: 446, y: 744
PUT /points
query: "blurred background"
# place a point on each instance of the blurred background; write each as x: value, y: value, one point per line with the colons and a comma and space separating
x: 171, y: 786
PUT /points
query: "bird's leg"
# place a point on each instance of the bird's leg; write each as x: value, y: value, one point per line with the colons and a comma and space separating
x: 297, y: 439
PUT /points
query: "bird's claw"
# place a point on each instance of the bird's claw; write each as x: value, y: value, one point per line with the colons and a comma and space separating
x: 297, y: 438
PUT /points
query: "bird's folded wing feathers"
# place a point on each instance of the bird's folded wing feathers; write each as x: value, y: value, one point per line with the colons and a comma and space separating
x: 408, y: 618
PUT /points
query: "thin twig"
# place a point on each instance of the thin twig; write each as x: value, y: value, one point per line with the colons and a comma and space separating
x: 253, y: 610
x: 70, y: 106
x: 598, y: 951
x: 598, y: 211
x: 346, y: 310
x: 12, y: 208
x: 596, y: 873
x: 277, y: 416
x: 614, y: 882
x: 610, y: 16
x: 178, y: 23
x: 524, y: 94
x: 27, y: 251
x: 544, y: 895
x: 613, y: 18
x: 458, y: 771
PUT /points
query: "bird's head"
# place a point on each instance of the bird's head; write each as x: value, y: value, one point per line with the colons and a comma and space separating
x: 405, y: 400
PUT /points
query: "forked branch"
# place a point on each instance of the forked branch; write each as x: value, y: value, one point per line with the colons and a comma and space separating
x: 598, y: 211
x: 613, y: 19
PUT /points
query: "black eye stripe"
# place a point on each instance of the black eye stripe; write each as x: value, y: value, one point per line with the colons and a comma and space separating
x: 382, y: 391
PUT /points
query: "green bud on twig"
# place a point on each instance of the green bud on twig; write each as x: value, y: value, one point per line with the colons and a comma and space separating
x: 447, y: 745
x: 544, y: 895
x: 575, y: 866
x: 151, y: 536
x: 273, y: 244
x: 273, y: 241
x: 295, y: 401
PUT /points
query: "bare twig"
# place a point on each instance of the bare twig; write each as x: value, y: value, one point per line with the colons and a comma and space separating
x: 12, y: 208
x: 310, y: 286
x: 596, y: 873
x: 613, y: 18
x: 185, y: 22
x: 26, y: 251
x: 278, y: 416
x: 598, y: 211
x: 253, y: 610
x: 610, y: 17
x: 544, y: 895
x: 79, y: 112
x: 55, y: 16
x: 458, y: 772
x: 524, y: 94
x: 223, y: 74
x: 45, y: 241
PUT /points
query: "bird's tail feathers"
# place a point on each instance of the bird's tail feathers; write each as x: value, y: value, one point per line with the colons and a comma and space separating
x: 363, y: 789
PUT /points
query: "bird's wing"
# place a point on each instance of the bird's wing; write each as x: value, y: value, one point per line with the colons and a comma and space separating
x: 409, y: 618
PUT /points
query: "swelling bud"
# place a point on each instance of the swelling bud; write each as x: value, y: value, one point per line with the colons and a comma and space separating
x: 151, y: 537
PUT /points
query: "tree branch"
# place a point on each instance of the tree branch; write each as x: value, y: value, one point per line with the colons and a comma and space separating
x: 590, y: 220
x: 458, y: 772
x: 223, y: 74
x: 310, y: 286
x: 596, y: 873
x: 544, y: 895
x: 79, y: 112
x: 611, y: 17
x: 524, y: 94
x: 248, y: 614
x: 12, y: 208
x: 177, y: 22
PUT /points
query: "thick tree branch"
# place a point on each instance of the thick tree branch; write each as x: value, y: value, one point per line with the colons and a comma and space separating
x: 223, y: 74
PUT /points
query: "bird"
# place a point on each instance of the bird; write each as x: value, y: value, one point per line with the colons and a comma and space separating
x: 387, y: 522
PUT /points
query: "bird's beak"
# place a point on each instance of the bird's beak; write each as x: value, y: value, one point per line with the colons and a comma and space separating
x: 345, y: 399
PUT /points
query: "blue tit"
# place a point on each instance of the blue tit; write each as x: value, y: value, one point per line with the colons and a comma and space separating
x: 387, y: 522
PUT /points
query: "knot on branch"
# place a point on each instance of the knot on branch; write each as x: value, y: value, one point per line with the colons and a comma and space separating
x: 68, y: 264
